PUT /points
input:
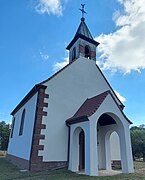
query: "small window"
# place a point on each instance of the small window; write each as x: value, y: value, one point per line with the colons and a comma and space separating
x: 22, y: 122
x: 87, y: 52
x: 12, y: 127
x: 74, y: 53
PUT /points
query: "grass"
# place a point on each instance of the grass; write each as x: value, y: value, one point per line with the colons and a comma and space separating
x: 10, y: 172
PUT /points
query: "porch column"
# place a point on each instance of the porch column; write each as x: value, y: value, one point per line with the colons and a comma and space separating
x: 108, y: 153
x: 74, y: 151
x: 101, y: 149
x: 91, y: 157
x: 126, y: 150
x: 105, y: 152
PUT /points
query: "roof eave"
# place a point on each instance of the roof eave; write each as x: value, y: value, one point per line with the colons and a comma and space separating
x: 75, y: 120
x: 121, y: 104
x: 28, y: 96
x: 82, y: 37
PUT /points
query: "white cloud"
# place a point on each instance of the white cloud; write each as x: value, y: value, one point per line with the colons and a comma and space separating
x: 50, y: 7
x: 121, y: 98
x: 124, y: 49
x: 59, y: 65
x: 44, y: 57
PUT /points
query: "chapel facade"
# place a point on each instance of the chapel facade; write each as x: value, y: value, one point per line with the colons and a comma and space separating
x: 67, y: 120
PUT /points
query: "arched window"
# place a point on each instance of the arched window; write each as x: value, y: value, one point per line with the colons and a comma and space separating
x: 12, y: 127
x: 22, y: 122
x: 73, y: 53
x: 87, y: 52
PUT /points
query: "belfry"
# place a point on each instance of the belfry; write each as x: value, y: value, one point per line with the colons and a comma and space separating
x: 83, y: 44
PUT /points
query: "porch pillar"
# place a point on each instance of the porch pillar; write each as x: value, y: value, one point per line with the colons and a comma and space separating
x: 74, y: 151
x: 91, y: 157
x: 126, y: 150
x: 108, y: 153
x: 105, y: 152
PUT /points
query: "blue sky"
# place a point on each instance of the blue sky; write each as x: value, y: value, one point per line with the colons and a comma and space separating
x: 35, y: 33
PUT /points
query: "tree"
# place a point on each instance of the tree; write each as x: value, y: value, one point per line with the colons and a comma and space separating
x: 4, y: 135
x: 138, y: 141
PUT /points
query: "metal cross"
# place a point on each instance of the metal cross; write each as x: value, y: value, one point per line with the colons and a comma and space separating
x: 83, y: 11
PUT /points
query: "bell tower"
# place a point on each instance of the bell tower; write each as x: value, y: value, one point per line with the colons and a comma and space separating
x: 83, y: 44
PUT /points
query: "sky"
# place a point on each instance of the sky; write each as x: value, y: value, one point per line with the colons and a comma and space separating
x: 34, y: 35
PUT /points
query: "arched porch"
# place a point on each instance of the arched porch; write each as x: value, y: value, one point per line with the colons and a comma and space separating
x: 98, y: 125
x: 106, y: 125
x: 93, y: 153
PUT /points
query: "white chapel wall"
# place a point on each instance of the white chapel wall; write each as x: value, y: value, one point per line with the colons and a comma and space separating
x: 21, y: 145
x: 67, y: 92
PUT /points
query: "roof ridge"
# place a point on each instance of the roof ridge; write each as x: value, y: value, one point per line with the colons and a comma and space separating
x: 91, y: 105
x: 80, y: 107
x: 105, y: 92
x: 98, y: 99
x: 101, y: 101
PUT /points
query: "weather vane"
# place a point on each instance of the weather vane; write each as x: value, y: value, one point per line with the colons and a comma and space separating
x: 83, y: 11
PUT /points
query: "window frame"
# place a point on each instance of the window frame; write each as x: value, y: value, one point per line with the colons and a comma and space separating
x: 12, y: 127
x: 88, y: 55
x: 22, y: 122
x: 74, y: 53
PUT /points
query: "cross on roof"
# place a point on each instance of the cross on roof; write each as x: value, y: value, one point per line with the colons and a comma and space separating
x: 83, y: 11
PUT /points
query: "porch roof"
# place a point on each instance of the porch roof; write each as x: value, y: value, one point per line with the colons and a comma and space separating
x: 90, y: 106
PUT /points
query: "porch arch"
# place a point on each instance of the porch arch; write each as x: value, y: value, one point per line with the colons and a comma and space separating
x: 109, y: 146
x: 78, y: 149
x: 122, y: 128
x: 107, y: 124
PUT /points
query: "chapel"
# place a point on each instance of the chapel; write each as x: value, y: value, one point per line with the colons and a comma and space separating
x: 68, y: 119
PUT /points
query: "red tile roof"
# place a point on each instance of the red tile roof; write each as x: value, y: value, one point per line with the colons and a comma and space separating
x: 90, y: 106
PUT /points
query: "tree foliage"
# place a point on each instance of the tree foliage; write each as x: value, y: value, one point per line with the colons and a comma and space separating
x: 4, y: 135
x: 138, y: 141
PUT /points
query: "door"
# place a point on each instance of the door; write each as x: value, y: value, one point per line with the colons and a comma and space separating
x: 81, y: 150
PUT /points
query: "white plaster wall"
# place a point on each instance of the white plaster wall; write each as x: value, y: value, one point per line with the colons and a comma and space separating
x: 91, y: 165
x: 21, y: 145
x: 67, y: 92
x: 115, y: 146
x: 122, y: 128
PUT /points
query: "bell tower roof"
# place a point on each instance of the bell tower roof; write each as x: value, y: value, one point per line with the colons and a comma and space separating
x: 83, y: 44
x: 83, y: 29
x: 82, y: 32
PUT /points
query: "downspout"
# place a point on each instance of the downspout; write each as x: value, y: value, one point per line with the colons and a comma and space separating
x: 68, y: 152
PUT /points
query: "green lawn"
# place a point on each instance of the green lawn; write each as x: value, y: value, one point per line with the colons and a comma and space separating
x: 9, y: 171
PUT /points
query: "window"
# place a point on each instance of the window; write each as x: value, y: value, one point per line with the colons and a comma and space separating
x: 22, y: 122
x: 87, y: 52
x: 73, y: 53
x: 12, y: 128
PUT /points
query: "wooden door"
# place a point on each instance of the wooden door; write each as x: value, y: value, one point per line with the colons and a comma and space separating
x: 81, y: 150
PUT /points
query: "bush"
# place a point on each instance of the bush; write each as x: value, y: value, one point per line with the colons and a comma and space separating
x: 2, y: 153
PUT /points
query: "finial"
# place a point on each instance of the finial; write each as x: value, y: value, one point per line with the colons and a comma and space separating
x: 83, y: 12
